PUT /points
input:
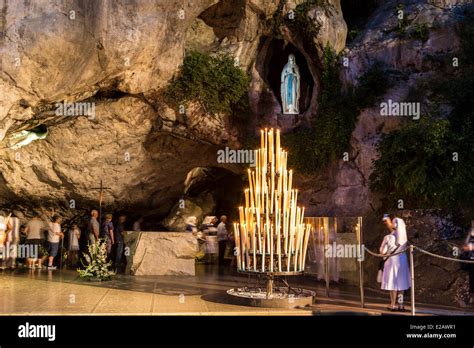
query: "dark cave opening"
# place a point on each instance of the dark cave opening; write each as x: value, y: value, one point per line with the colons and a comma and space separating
x: 40, y: 129
x: 356, y: 13
x: 112, y: 93
x: 276, y: 58
x: 226, y: 188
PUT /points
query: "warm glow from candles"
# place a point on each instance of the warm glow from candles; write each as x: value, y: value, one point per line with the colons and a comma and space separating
x: 271, y: 235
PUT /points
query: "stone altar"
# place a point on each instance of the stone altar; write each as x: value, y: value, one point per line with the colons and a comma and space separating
x: 160, y: 253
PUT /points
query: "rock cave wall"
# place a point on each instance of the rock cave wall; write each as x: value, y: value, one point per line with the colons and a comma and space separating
x: 119, y: 56
x: 122, y: 55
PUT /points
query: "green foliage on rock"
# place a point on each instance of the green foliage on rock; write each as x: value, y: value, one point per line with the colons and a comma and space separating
x: 213, y: 81
x: 420, y: 32
x: 428, y: 163
x: 403, y: 21
x: 301, y: 22
x: 414, y: 165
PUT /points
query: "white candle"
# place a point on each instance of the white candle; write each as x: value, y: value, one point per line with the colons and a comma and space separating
x: 271, y: 248
x: 254, y: 249
x: 247, y: 201
x: 305, y: 246
x: 278, y: 148
x: 241, y: 215
x: 237, y: 243
x: 263, y: 249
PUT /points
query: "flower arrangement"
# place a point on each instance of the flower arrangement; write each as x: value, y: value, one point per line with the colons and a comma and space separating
x: 200, y: 256
x: 97, y: 267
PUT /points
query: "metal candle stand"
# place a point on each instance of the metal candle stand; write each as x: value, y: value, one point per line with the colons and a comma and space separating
x: 272, y: 295
x: 271, y: 277
x: 271, y: 238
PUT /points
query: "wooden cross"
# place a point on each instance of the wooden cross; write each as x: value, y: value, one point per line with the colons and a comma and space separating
x: 101, y: 195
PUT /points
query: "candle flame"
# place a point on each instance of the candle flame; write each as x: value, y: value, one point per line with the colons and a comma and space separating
x: 271, y: 225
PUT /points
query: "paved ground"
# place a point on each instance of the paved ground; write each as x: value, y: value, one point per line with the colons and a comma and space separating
x: 32, y: 292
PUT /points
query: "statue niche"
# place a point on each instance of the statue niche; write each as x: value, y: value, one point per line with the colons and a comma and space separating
x: 290, y: 87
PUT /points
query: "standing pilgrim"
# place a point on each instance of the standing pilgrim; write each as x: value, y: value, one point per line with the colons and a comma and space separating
x: 107, y: 233
x: 3, y: 237
x: 468, y: 254
x: 290, y: 87
x: 119, y: 240
x: 74, y: 236
x: 222, y: 237
x: 54, y: 237
x: 396, y: 272
x: 13, y: 240
x: 35, y: 239
x: 93, y: 227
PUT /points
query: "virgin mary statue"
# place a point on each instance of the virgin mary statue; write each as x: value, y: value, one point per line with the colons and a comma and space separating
x: 290, y: 87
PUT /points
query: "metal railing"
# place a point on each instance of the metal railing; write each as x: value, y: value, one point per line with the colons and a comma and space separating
x: 411, y: 248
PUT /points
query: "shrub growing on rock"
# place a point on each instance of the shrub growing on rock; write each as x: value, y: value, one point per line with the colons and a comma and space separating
x: 428, y: 163
x: 213, y: 81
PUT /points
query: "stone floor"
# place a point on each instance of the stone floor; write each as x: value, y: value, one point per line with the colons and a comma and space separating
x: 33, y: 292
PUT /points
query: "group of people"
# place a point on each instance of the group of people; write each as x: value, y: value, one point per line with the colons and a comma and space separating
x: 217, y: 229
x: 111, y: 233
x: 40, y: 239
x: 33, y: 235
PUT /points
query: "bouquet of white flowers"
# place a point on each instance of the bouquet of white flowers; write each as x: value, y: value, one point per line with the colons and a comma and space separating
x: 97, y: 267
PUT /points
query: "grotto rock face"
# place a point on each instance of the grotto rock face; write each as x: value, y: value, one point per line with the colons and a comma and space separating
x: 343, y: 187
x: 121, y: 55
x: 412, y: 61
x: 118, y: 56
x: 118, y: 146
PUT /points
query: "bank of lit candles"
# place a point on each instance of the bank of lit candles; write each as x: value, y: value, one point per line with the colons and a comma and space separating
x: 271, y: 235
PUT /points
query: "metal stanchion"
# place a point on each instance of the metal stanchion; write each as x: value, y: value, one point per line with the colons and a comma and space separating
x: 326, y: 261
x: 361, y: 269
x: 412, y: 271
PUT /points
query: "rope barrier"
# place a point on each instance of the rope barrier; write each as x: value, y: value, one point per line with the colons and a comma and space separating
x: 442, y: 257
x: 421, y: 250
x: 411, y: 248
x: 383, y: 255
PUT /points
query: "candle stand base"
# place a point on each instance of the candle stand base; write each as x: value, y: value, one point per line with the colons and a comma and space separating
x: 272, y: 296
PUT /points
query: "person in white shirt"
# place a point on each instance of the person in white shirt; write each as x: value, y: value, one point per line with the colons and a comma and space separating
x: 74, y: 236
x: 34, y: 231
x: 3, y: 237
x: 13, y: 239
x: 54, y: 237
x: 222, y: 237
x: 396, y: 272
